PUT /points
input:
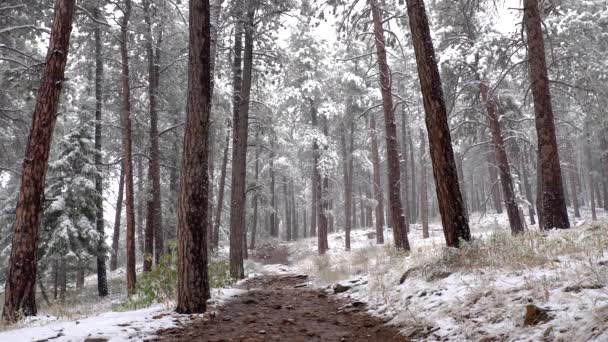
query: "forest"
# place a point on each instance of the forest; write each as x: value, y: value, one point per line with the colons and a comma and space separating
x: 304, y: 170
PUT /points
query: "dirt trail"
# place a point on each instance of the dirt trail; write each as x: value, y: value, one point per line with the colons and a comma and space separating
x: 284, y: 308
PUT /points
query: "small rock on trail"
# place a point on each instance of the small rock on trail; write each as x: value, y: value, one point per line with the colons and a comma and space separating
x: 286, y: 313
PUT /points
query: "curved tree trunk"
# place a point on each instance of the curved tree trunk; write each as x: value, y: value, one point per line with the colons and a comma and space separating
x: 192, y: 279
x: 453, y: 214
x: 20, y: 288
x: 554, y: 213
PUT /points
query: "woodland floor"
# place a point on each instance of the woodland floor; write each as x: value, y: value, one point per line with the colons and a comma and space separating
x: 283, y: 308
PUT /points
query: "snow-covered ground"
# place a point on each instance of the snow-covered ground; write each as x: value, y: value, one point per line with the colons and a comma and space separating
x: 481, y: 291
x: 133, y: 325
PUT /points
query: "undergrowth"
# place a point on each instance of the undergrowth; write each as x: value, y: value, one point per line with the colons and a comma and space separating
x: 160, y: 284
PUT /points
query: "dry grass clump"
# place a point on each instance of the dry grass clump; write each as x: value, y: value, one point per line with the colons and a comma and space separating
x: 501, y: 250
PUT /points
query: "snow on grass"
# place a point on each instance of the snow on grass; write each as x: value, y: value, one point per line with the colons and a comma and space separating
x: 112, y: 326
x: 481, y: 290
x: 134, y: 325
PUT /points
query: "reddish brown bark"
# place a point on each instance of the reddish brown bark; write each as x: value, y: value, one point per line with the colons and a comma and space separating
x: 19, y: 295
x: 399, y: 223
x: 453, y: 213
x: 501, y: 158
x: 192, y: 280
x: 155, y: 218
x: 554, y: 213
x: 126, y: 141
x: 240, y: 118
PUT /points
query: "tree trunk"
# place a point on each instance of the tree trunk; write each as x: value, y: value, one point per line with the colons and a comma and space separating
x: 494, y: 189
x: 348, y: 185
x: 220, y: 194
x: 404, y: 172
x: 255, y: 195
x: 239, y: 147
x: 20, y: 288
x: 314, y: 205
x: 192, y: 280
x: 527, y: 187
x: 287, y: 206
x: 453, y: 214
x: 318, y: 200
x: 399, y: 223
x: 554, y: 213
x: 274, y: 231
x: 139, y: 211
x: 294, y: 214
x: 323, y: 200
x: 117, y: 217
x: 376, y: 182
x: 424, y: 199
x: 55, y: 271
x: 63, y: 279
x: 155, y: 219
x: 126, y: 141
x: 604, y: 160
x: 589, y: 166
x: 102, y: 282
x: 80, y: 277
x: 211, y: 172
x: 506, y: 180
x: 414, y: 205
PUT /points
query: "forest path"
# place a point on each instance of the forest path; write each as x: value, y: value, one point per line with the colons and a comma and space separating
x: 284, y: 308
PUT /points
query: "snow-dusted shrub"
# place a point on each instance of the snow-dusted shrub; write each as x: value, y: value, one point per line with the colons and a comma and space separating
x: 159, y: 285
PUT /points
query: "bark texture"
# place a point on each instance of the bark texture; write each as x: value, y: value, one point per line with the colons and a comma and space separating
x: 155, y: 218
x: 504, y: 168
x: 453, y: 214
x: 399, y: 223
x: 102, y: 282
x: 127, y: 142
x: 192, y: 280
x: 240, y: 121
x: 554, y: 213
x: 117, y: 218
x: 19, y: 295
